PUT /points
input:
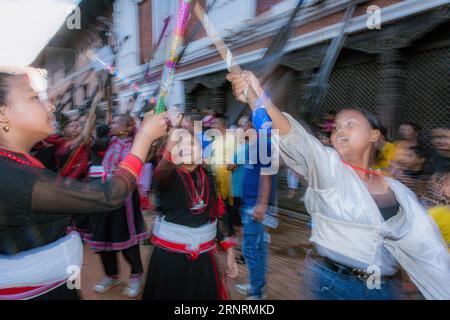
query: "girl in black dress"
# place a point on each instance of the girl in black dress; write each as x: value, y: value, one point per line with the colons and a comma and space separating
x: 122, y: 229
x: 183, y: 264
x: 38, y: 252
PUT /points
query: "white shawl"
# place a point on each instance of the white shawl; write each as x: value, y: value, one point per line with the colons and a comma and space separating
x: 347, y: 221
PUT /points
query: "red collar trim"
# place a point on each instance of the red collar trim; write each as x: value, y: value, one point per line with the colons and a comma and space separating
x: 368, y: 171
x: 21, y: 158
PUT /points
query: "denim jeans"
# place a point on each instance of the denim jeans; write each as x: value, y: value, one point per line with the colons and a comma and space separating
x: 321, y: 283
x: 254, y: 248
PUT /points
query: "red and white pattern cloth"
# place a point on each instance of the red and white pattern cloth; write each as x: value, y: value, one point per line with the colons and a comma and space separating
x: 118, y: 149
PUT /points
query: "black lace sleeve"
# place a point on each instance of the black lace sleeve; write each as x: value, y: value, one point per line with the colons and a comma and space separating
x: 164, y: 174
x: 54, y: 195
x: 15, y: 194
x: 224, y: 233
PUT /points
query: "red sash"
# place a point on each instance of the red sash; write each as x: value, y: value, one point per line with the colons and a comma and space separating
x: 77, y: 164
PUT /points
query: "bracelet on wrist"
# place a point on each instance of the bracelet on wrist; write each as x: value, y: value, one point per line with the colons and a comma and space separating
x: 263, y: 101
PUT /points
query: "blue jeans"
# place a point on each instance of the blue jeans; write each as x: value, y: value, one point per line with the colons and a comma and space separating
x: 321, y: 283
x: 254, y: 248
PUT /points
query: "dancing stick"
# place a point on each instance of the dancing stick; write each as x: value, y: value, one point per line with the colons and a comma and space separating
x: 222, y: 48
x: 94, y: 104
x: 111, y: 69
x: 211, y: 31
x: 261, y: 119
x: 188, y: 41
x: 169, y: 67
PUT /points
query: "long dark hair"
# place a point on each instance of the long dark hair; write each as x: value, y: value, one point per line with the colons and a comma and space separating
x: 4, y: 86
x: 375, y: 124
x: 373, y: 120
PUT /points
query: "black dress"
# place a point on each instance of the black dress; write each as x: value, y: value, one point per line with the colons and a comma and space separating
x: 175, y: 276
x: 36, y: 204
x: 81, y: 223
x: 119, y: 229
x: 122, y: 228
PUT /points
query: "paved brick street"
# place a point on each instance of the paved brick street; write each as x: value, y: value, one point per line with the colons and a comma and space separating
x: 328, y: 119
x: 286, y: 256
x: 288, y: 246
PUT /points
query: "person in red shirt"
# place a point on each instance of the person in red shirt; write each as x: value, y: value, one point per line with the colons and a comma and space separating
x: 72, y: 149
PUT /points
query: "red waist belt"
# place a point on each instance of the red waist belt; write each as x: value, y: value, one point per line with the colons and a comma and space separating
x: 21, y: 293
x: 184, y: 248
x: 98, y: 174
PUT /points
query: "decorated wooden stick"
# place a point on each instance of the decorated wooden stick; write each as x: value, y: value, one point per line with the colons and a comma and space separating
x: 112, y: 70
x: 171, y: 64
x: 222, y: 48
x: 261, y: 119
x: 211, y: 31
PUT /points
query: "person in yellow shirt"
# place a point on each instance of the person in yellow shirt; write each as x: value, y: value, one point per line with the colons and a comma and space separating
x: 409, y: 134
x: 385, y: 156
x: 385, y: 152
x: 441, y: 213
x: 222, y: 150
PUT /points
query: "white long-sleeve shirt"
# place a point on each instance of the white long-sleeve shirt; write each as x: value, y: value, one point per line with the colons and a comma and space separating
x: 348, y: 226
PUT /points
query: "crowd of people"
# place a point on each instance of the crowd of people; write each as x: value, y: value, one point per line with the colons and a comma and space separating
x: 91, y: 181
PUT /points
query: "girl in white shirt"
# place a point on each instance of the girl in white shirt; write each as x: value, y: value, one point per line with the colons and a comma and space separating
x: 364, y: 225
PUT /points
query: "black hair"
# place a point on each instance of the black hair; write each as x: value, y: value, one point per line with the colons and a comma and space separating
x: 4, y: 86
x: 220, y: 115
x: 413, y: 125
x: 374, y: 122
x: 102, y: 130
x: 419, y: 151
x: 384, y: 132
x: 194, y: 116
x: 221, y: 118
x: 318, y: 131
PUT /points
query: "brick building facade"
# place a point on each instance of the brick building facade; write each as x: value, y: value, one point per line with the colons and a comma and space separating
x: 386, y: 71
x: 399, y: 72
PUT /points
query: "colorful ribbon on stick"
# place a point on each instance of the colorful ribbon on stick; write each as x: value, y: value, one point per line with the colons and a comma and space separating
x: 171, y: 64
x: 112, y: 70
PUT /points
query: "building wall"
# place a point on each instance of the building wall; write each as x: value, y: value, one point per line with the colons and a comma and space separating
x: 264, y: 5
x: 359, y: 78
x: 126, y: 21
x: 201, y: 55
x: 65, y: 57
x: 301, y: 30
x: 145, y: 30
x: 193, y: 21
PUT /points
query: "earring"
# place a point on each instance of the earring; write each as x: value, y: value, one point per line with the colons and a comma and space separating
x: 5, y: 127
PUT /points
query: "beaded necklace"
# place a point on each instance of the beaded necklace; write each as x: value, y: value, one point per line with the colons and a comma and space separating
x: 32, y: 162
